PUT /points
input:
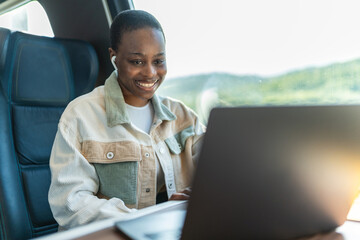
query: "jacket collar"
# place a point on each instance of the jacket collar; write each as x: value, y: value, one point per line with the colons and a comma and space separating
x: 116, y: 112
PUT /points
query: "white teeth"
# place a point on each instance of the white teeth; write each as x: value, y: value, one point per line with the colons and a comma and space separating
x: 147, y: 85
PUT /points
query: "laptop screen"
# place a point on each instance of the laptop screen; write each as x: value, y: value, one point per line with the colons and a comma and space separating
x: 289, y: 171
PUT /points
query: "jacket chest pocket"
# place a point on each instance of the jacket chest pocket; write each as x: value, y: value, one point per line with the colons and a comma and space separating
x: 116, y: 165
x: 118, y: 180
x: 176, y: 143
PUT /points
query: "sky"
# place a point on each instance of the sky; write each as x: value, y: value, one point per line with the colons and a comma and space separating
x: 263, y: 37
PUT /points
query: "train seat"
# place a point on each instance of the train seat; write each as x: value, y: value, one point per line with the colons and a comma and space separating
x: 40, y: 77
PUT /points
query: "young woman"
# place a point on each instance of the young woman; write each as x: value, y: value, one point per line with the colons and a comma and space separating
x: 121, y: 147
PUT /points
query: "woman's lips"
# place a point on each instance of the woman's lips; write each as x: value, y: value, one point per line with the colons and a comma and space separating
x: 146, y: 84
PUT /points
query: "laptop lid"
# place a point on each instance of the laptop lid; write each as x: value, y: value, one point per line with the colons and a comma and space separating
x: 275, y: 172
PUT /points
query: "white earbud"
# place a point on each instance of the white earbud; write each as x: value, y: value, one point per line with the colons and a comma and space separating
x: 113, y: 62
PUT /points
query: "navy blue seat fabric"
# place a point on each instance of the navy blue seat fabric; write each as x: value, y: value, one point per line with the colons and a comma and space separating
x: 39, y: 77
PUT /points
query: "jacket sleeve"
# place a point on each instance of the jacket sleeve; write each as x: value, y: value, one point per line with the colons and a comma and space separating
x: 199, y: 129
x: 74, y: 185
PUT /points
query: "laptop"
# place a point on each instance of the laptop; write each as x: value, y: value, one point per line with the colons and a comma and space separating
x: 267, y: 173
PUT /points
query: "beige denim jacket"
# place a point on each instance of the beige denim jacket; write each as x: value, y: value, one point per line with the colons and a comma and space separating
x: 103, y: 166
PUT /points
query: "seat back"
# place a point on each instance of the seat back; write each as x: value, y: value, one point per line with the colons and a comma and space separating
x: 42, y: 75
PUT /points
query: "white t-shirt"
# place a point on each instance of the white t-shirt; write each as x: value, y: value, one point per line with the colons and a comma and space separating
x: 142, y: 118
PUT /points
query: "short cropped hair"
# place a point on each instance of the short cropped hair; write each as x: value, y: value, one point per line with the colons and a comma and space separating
x: 130, y: 20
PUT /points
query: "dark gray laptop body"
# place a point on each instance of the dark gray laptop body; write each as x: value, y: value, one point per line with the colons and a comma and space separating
x: 273, y: 173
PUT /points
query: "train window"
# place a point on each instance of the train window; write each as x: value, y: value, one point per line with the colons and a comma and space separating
x: 260, y: 52
x: 30, y: 18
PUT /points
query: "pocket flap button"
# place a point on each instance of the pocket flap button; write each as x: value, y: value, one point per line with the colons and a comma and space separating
x: 110, y: 155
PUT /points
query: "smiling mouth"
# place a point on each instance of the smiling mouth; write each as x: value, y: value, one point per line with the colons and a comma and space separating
x: 146, y: 85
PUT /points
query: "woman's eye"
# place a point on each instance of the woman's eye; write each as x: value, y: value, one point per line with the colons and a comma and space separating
x: 159, y: 61
x: 137, y: 62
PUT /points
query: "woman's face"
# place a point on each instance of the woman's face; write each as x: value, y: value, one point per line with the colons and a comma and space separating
x: 141, y: 64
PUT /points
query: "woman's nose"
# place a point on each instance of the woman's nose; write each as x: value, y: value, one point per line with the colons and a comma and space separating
x: 149, y: 71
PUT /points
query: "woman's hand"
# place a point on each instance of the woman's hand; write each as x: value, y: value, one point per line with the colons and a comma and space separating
x: 183, y: 195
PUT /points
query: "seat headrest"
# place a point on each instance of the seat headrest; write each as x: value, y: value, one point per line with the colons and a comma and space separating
x: 40, y: 71
x: 84, y: 62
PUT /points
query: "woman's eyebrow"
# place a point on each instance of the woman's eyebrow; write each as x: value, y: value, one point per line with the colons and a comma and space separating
x: 136, y: 53
x: 160, y: 54
x: 142, y: 55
